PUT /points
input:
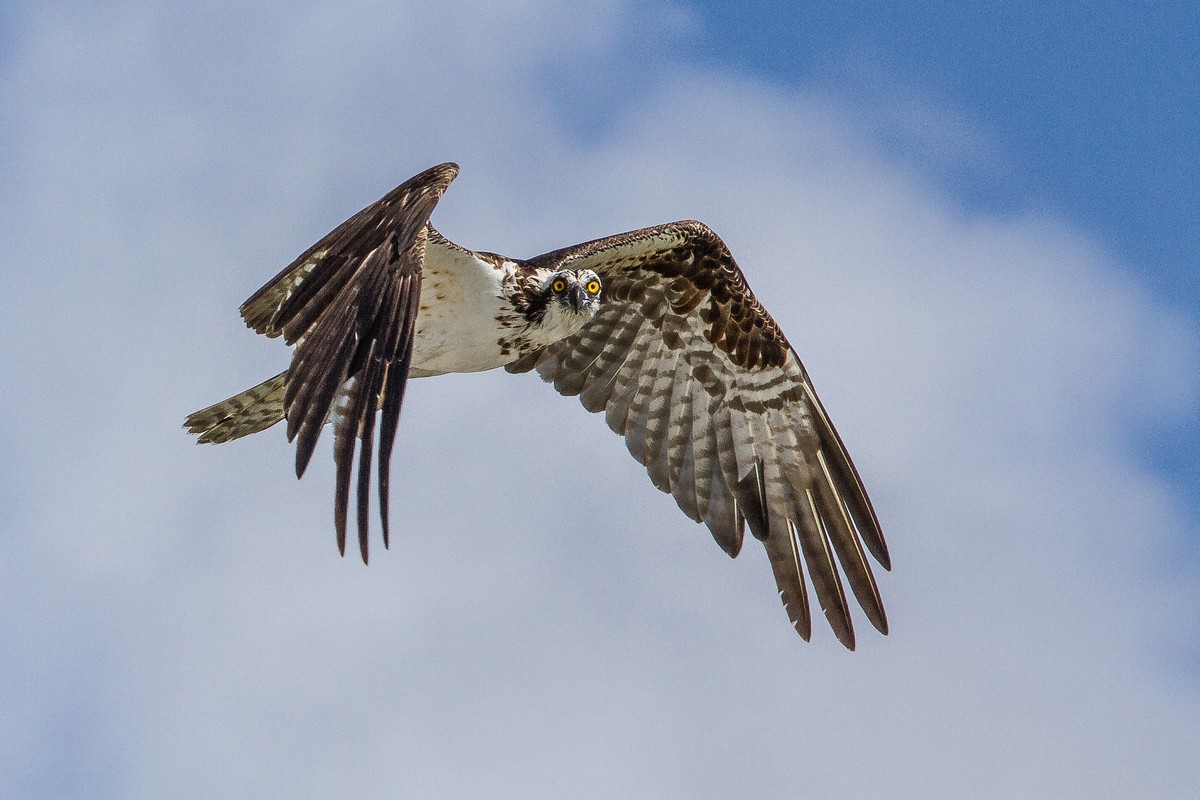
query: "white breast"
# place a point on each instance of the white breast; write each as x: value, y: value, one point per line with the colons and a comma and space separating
x: 456, y: 324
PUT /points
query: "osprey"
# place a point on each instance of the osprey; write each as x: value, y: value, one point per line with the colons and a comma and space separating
x: 656, y: 328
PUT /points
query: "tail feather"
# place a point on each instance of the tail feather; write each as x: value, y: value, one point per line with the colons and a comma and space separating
x: 251, y: 411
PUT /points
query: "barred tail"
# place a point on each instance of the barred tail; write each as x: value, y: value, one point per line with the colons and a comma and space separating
x: 251, y: 411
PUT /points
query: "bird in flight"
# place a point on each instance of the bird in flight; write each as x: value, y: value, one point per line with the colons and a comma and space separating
x: 656, y: 328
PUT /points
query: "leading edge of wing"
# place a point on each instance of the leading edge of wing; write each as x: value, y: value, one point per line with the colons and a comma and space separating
x: 317, y: 267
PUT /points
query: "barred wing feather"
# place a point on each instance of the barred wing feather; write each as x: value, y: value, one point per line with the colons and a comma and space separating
x: 689, y: 367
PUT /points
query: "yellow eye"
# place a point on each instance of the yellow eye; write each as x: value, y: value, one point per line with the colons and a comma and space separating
x: 593, y: 287
x: 559, y: 285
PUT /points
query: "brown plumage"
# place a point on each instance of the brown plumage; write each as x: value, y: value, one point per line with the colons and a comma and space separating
x: 349, y: 304
x: 681, y: 358
x: 689, y: 367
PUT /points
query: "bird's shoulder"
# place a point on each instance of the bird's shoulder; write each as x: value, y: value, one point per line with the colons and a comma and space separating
x: 685, y: 268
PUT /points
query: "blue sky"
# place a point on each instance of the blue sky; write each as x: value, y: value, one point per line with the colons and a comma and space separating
x: 1092, y: 108
x: 1092, y: 105
x: 977, y: 229
x: 1084, y: 111
x: 1090, y: 112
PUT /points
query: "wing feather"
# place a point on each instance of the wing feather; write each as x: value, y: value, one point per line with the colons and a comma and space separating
x: 690, y: 368
x: 625, y: 384
x: 349, y: 303
x: 701, y: 450
x: 721, y: 515
x: 850, y: 554
x: 784, y: 558
x: 638, y: 414
x: 681, y: 457
x: 597, y: 391
x: 843, y: 475
x: 655, y: 420
x: 822, y: 566
x: 407, y: 295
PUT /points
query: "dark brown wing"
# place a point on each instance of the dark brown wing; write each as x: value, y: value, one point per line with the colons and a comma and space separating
x: 349, y: 304
x: 710, y: 397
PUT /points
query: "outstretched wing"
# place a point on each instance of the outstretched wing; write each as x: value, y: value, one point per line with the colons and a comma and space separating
x: 349, y: 304
x: 710, y: 397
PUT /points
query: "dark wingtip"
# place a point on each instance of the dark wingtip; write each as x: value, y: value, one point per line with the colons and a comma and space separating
x: 843, y: 628
x: 363, y: 542
x: 383, y: 515
x: 884, y: 558
x: 752, y: 501
x: 803, y: 625
x: 304, y: 452
x: 443, y: 173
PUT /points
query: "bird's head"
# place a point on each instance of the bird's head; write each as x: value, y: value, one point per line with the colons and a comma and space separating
x: 572, y: 291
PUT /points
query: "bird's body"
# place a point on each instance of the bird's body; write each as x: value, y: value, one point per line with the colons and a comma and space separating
x: 656, y: 328
x: 462, y: 297
x: 467, y: 298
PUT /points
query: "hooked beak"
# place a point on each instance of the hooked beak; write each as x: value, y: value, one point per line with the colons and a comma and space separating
x: 577, y: 297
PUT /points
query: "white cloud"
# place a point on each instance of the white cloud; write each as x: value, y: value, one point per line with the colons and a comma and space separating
x: 176, y: 620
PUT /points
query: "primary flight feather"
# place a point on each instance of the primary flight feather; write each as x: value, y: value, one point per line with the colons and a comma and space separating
x: 656, y: 328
